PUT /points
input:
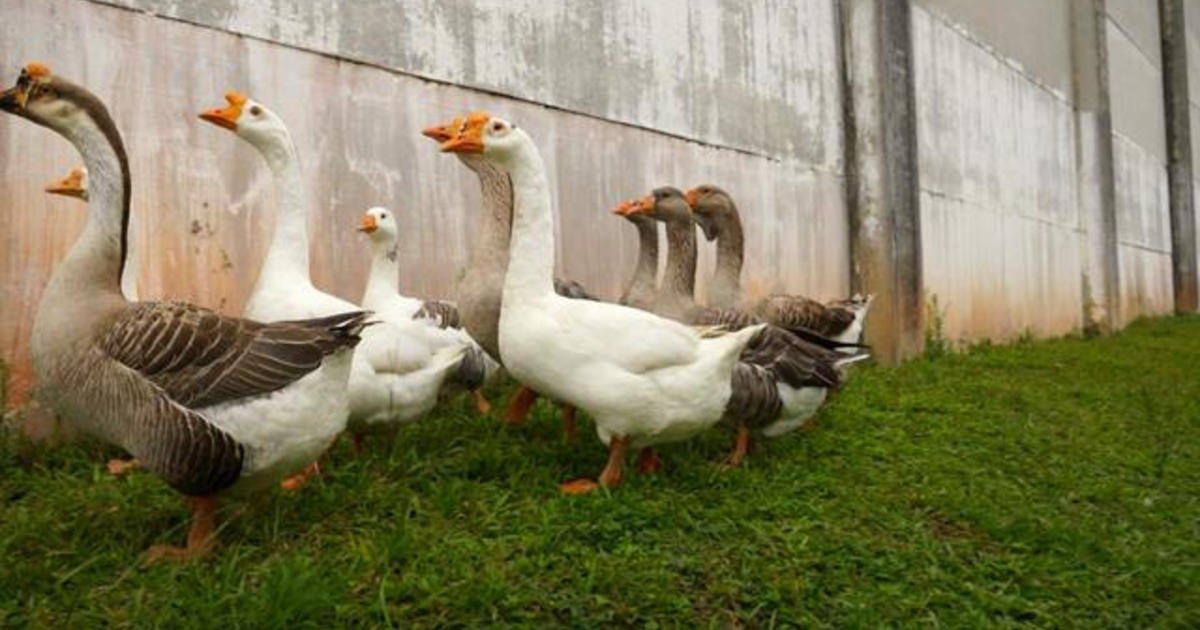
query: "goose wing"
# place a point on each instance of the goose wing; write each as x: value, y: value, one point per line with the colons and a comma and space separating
x: 799, y: 312
x: 199, y: 357
x: 635, y: 340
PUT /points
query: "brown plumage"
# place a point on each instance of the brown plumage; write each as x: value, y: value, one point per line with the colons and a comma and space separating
x: 717, y: 215
x: 149, y: 376
x: 444, y: 313
x: 774, y: 358
x: 798, y: 312
x: 195, y: 358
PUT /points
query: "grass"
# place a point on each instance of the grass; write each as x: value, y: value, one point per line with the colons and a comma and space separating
x: 1046, y: 483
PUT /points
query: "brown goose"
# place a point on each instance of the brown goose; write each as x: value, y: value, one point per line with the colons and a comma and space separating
x: 206, y: 401
x: 479, y: 286
x: 717, y: 214
x: 780, y: 380
x: 641, y: 291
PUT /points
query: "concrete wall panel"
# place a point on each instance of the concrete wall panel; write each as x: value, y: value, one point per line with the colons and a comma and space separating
x: 1139, y: 159
x: 1026, y: 33
x: 758, y: 75
x: 203, y: 199
x: 998, y: 189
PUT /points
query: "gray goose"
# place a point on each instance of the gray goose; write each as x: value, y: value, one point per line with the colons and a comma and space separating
x: 781, y: 379
x: 640, y: 291
x: 717, y: 215
x: 199, y: 398
x: 479, y: 286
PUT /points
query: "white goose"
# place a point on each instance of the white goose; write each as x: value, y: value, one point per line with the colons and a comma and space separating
x: 644, y: 379
x: 412, y: 351
x: 74, y: 184
x: 212, y: 404
x: 284, y: 290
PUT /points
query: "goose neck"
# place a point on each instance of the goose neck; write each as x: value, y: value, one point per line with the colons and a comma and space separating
x: 288, y: 252
x: 726, y: 286
x: 679, y: 282
x: 531, y: 252
x: 640, y: 289
x: 97, y: 259
x: 383, y: 280
x: 495, y: 223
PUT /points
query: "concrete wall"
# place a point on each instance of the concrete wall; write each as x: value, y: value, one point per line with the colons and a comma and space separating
x: 999, y: 211
x: 1139, y: 158
x: 203, y: 199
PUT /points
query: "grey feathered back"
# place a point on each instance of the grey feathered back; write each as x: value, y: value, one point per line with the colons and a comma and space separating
x: 145, y: 381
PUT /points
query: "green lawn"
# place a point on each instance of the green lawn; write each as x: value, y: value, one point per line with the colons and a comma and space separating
x: 1051, y: 483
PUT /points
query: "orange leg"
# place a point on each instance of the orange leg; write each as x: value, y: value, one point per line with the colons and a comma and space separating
x: 299, y: 479
x: 612, y: 474
x: 481, y: 403
x: 570, y: 430
x: 741, y: 445
x: 648, y: 461
x: 121, y: 467
x: 520, y: 403
x: 200, y: 535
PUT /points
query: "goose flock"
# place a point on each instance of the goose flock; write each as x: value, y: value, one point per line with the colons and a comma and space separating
x: 218, y: 405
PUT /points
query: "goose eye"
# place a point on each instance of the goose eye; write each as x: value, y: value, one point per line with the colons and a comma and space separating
x: 497, y: 127
x: 383, y: 215
x: 256, y: 110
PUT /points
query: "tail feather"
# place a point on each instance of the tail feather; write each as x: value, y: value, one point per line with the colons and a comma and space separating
x: 345, y: 329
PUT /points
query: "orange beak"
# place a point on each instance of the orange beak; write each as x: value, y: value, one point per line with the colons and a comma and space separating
x: 443, y: 132
x: 69, y: 186
x: 645, y: 205
x: 692, y: 197
x: 226, y: 117
x: 469, y: 141
x: 623, y: 208
x: 470, y: 138
x: 367, y: 224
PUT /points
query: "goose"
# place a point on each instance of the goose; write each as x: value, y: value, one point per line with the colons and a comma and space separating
x: 284, y: 288
x: 215, y: 405
x: 640, y: 291
x: 479, y: 286
x: 74, y: 184
x: 645, y: 379
x: 780, y: 380
x: 415, y: 348
x: 717, y: 214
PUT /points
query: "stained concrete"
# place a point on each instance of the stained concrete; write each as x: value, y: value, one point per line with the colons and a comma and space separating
x: 999, y: 199
x: 1027, y: 33
x: 1140, y: 159
x: 755, y: 75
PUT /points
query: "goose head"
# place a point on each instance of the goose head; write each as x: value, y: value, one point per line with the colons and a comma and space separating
x: 73, y: 185
x: 711, y: 207
x: 484, y: 134
x: 249, y: 119
x: 667, y: 203
x: 380, y: 225
x: 51, y: 101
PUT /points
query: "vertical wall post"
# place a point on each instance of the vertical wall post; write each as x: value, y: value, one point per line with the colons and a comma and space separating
x: 1179, y: 153
x: 1094, y: 165
x: 882, y: 178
